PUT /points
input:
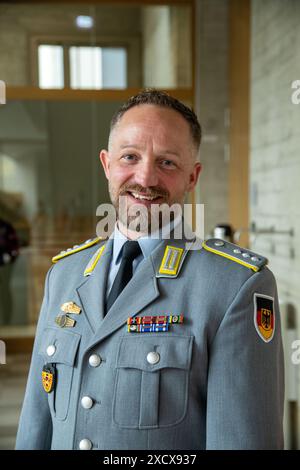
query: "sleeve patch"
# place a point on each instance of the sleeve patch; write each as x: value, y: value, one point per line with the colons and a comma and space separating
x: 264, y: 316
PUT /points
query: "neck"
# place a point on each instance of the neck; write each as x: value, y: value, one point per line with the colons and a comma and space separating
x: 130, y: 234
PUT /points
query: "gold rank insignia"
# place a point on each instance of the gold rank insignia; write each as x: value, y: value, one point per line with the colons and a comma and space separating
x: 64, y: 321
x: 264, y: 316
x: 48, y: 378
x: 70, y: 307
x: 171, y: 260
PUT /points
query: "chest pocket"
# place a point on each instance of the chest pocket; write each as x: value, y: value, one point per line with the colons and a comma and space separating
x: 152, y: 380
x: 65, y: 345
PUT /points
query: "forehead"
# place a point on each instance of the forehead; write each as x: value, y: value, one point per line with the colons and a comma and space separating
x: 152, y: 121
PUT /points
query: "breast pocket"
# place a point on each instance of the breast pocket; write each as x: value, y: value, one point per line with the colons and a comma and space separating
x: 152, y: 381
x: 62, y: 346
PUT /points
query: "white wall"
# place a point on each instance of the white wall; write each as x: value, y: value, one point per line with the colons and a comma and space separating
x: 275, y: 145
x: 167, y: 49
x: 212, y: 107
x: 159, y: 67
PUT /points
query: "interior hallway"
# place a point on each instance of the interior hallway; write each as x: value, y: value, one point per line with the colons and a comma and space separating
x: 13, y: 378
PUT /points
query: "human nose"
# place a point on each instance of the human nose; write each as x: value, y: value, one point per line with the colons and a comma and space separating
x: 146, y: 174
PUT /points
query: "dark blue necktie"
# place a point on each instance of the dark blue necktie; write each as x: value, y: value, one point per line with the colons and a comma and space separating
x: 131, y: 250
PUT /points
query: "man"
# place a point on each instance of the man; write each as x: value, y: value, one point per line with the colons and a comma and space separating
x: 151, y: 344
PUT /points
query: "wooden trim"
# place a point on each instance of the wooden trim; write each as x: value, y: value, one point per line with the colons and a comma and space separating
x: 239, y: 91
x: 66, y: 65
x: 33, y: 93
x: 19, y: 345
x: 107, y: 2
x: 193, y: 51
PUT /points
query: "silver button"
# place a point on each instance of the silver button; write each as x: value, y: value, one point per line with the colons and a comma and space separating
x: 153, y: 357
x: 85, y: 444
x: 254, y: 258
x: 51, y: 350
x: 87, y: 402
x: 219, y: 243
x: 95, y: 360
x: 237, y: 251
x: 245, y: 255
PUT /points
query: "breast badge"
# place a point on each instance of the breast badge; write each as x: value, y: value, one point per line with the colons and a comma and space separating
x: 64, y: 321
x: 70, y: 307
x: 264, y: 316
x: 48, y: 377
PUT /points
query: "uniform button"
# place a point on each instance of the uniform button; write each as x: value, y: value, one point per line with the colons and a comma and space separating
x: 245, y: 255
x: 51, y: 350
x: 87, y: 402
x: 95, y: 360
x: 153, y: 357
x: 237, y: 251
x: 254, y: 258
x: 85, y: 444
x: 219, y: 243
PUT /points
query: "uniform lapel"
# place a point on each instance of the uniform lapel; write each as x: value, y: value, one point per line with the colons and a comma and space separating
x: 93, y: 290
x: 139, y: 292
x: 142, y: 289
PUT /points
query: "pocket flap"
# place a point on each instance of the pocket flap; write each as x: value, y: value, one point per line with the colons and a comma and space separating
x: 173, y: 351
x: 65, y: 343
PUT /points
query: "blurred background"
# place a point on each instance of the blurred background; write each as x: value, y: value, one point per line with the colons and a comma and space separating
x: 68, y: 66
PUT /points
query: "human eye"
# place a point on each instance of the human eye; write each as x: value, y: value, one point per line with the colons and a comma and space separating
x: 129, y: 158
x: 168, y: 164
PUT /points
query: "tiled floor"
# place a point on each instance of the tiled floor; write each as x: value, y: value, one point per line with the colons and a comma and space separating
x: 13, y: 376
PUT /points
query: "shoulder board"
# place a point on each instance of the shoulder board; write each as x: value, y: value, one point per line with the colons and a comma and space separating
x: 76, y: 249
x: 235, y: 253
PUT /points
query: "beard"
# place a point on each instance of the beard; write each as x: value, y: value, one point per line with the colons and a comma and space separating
x: 145, y: 219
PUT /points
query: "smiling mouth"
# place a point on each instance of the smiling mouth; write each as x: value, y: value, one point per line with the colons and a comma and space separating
x: 143, y: 197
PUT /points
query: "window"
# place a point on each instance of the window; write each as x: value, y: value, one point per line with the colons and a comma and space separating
x: 90, y: 67
x: 51, y: 66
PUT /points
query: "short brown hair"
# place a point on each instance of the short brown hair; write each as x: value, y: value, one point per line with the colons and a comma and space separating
x: 163, y: 99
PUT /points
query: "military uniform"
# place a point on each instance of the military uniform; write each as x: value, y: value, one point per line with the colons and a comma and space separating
x: 207, y: 374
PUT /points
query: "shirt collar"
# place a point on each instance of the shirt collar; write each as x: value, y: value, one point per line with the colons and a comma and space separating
x: 147, y: 243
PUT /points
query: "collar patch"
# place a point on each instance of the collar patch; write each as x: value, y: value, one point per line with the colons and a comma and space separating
x: 171, y: 261
x: 94, y: 261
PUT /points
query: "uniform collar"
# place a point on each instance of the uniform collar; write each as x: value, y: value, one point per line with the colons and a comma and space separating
x: 147, y: 243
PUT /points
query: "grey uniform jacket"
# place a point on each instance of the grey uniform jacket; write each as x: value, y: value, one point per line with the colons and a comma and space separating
x: 216, y: 381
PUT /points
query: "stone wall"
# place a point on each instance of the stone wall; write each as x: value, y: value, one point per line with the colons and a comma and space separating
x: 275, y: 152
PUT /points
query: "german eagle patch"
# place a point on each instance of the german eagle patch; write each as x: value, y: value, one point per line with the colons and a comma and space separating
x: 264, y: 316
